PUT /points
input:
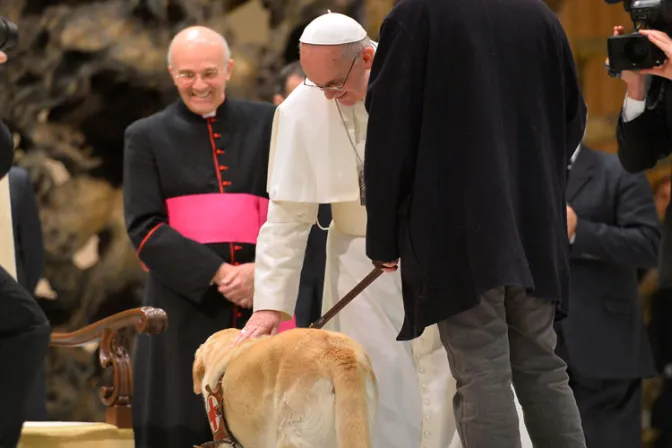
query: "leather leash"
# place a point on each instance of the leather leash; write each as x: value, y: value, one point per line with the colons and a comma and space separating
x: 354, y: 292
x: 214, y: 399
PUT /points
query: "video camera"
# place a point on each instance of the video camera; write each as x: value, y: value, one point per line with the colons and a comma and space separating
x: 9, y: 34
x: 634, y: 51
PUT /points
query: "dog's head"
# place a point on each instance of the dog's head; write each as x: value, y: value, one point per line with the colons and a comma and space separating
x: 212, y: 357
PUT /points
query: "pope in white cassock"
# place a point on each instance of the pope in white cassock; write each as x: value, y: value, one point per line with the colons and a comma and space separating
x: 317, y: 150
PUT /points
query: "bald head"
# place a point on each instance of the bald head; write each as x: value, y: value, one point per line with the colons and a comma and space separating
x: 195, y: 38
x: 199, y: 60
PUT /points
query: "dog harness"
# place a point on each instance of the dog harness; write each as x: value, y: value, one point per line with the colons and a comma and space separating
x: 214, y: 405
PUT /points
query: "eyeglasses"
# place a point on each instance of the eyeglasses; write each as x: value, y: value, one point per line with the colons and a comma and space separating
x: 187, y: 77
x: 327, y: 87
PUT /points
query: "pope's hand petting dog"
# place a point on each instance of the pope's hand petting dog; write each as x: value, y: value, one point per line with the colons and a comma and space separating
x: 3, y: 57
x: 237, y: 284
x: 263, y: 322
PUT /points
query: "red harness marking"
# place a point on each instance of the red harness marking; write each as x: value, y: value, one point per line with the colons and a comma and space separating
x: 212, y: 406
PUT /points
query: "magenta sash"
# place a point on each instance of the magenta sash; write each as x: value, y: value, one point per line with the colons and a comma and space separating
x: 287, y: 325
x: 218, y: 217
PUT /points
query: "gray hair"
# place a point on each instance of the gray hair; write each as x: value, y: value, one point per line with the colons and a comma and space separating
x: 225, y: 44
x: 353, y: 49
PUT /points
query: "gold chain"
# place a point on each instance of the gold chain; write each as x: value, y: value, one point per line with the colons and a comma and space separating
x: 360, y: 167
x: 352, y: 143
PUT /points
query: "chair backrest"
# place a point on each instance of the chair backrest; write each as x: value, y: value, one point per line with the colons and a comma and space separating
x: 113, y: 353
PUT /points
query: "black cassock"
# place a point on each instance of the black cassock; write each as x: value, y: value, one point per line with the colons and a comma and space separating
x: 194, y: 197
x: 474, y: 112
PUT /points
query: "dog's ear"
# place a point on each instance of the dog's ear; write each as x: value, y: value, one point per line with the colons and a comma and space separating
x: 219, y: 353
x: 198, y: 372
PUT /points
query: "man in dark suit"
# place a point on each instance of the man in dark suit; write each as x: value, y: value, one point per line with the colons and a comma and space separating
x: 613, y: 229
x: 644, y: 138
x: 29, y: 254
x: 24, y: 332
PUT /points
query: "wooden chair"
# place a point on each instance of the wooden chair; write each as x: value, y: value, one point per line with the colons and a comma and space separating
x: 117, y: 430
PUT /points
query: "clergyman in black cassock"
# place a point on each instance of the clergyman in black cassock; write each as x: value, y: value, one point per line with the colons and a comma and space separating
x: 474, y: 112
x: 195, y: 198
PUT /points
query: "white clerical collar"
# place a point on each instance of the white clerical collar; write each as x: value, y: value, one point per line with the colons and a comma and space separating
x: 214, y: 112
x: 574, y: 156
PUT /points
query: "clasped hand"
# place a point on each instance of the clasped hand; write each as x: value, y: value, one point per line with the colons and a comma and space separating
x: 236, y: 283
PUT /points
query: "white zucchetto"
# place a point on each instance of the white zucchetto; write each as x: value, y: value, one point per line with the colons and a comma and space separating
x: 333, y: 29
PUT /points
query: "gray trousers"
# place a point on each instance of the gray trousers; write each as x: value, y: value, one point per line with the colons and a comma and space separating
x: 509, y: 337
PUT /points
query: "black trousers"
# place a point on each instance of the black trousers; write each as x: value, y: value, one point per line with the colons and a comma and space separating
x: 36, y: 403
x: 660, y: 416
x: 309, y: 302
x: 611, y: 410
x: 24, y: 340
x: 660, y: 330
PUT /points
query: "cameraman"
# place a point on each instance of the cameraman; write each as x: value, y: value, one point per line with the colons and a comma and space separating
x: 644, y: 130
x: 24, y: 331
x: 646, y: 120
x: 645, y: 136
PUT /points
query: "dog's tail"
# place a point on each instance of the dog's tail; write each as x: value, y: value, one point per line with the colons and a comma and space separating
x: 356, y: 400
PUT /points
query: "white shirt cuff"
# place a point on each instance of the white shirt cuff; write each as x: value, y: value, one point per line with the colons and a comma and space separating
x: 632, y: 108
x: 571, y: 240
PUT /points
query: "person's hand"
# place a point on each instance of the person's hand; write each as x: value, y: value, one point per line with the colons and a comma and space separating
x: 222, y: 272
x: 387, y: 266
x: 238, y: 285
x: 263, y: 322
x: 3, y: 57
x: 662, y: 41
x: 571, y: 222
x: 634, y: 79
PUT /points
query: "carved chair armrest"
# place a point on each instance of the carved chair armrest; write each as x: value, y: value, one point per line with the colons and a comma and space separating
x: 117, y: 397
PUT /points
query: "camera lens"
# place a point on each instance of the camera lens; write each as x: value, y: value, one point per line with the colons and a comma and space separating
x: 636, y: 51
x: 9, y: 34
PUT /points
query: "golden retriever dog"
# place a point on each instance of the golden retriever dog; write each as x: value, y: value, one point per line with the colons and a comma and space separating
x: 302, y: 388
